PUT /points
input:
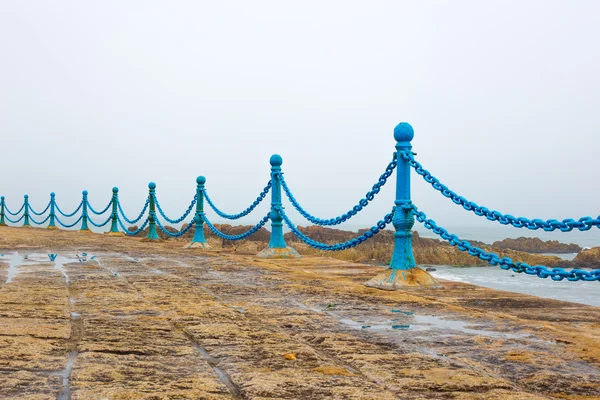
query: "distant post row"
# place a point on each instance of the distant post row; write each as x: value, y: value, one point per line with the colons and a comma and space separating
x: 402, y: 271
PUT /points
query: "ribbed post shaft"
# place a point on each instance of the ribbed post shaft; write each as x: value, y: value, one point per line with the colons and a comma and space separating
x: 26, y: 208
x: 198, y: 220
x: 84, y: 212
x: 152, y: 233
x: 402, y: 258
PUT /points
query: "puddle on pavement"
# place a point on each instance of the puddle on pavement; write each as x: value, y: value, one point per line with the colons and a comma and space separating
x: 422, y: 323
x: 14, y: 260
x: 65, y: 374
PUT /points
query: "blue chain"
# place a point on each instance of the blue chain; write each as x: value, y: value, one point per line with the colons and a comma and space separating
x: 39, y: 223
x: 102, y: 224
x: 247, y: 211
x: 68, y: 225
x: 344, y: 217
x: 12, y: 213
x: 338, y: 246
x: 69, y: 215
x: 133, y: 221
x: 566, y: 225
x: 40, y: 213
x: 241, y: 235
x: 176, y: 234
x: 16, y: 221
x: 557, y: 274
x: 99, y: 212
x: 178, y: 220
x: 131, y: 233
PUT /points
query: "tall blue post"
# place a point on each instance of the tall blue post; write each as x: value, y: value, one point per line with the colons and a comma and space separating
x: 2, y: 221
x: 199, y: 240
x: 26, y: 208
x: 84, y: 216
x: 402, y: 271
x: 114, y: 227
x: 152, y: 233
x: 52, y: 224
x: 277, y: 246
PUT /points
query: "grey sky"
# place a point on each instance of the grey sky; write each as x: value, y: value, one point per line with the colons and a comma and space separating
x: 503, y: 96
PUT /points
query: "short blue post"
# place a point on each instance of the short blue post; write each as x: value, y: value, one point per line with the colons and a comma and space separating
x: 2, y: 221
x: 152, y: 233
x: 52, y: 224
x: 402, y: 271
x: 84, y: 214
x: 114, y: 227
x: 277, y: 246
x: 26, y: 208
x: 199, y: 240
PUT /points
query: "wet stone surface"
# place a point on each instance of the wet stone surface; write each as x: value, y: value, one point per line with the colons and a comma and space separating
x: 132, y: 320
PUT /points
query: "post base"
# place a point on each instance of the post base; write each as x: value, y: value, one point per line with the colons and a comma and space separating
x: 116, y: 234
x: 52, y: 227
x: 285, y: 252
x: 394, y: 279
x: 197, y: 245
x: 3, y: 224
x: 26, y: 226
x: 85, y: 231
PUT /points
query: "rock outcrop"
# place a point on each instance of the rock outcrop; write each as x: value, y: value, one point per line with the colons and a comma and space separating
x: 588, y: 258
x: 536, y: 245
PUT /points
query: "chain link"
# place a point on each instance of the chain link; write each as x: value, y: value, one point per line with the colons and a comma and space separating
x: 247, y: 211
x: 349, y: 214
x: 39, y: 213
x: 338, y: 246
x: 557, y: 274
x: 133, y: 221
x: 41, y: 222
x: 241, y: 236
x: 566, y: 225
x: 99, y: 225
x: 178, y: 220
x: 132, y: 233
x: 68, y: 215
x: 12, y: 213
x: 174, y: 234
x: 68, y: 225
x: 99, y: 212
x: 16, y: 221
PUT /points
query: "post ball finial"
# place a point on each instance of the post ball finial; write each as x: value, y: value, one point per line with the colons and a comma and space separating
x: 84, y: 193
x: 152, y: 186
x: 115, y: 190
x: 403, y: 132
x: 200, y: 180
x: 52, y: 194
x: 26, y: 196
x: 276, y: 160
x: 2, y: 198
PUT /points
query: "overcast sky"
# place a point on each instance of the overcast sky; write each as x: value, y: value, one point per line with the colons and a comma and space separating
x: 504, y: 98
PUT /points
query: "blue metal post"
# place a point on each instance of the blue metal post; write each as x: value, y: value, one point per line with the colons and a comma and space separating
x: 277, y: 246
x: 403, y: 271
x: 114, y: 227
x: 199, y: 240
x: 152, y: 233
x: 2, y: 222
x: 404, y: 220
x: 51, y: 224
x: 84, y: 218
x: 26, y: 208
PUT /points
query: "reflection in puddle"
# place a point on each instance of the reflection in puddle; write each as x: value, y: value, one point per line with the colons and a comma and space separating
x: 421, y: 323
x: 14, y: 260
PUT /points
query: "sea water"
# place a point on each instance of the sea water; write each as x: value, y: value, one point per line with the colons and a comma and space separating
x: 497, y: 278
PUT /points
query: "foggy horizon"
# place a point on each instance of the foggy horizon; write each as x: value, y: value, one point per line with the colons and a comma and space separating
x: 503, y: 98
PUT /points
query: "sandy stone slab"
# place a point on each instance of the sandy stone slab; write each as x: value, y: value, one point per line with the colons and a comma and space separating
x: 43, y: 328
x: 29, y: 385
x: 140, y: 335
x: 32, y: 353
x: 130, y: 376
